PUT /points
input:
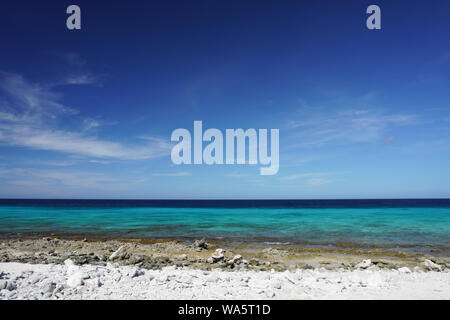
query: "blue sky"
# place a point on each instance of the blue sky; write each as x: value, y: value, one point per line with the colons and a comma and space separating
x: 89, y: 113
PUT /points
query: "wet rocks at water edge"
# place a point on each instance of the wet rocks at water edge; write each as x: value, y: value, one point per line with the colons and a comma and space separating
x: 200, y: 244
x: 160, y: 254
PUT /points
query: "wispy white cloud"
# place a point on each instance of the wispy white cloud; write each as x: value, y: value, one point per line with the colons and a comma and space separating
x: 76, y: 71
x: 344, y: 127
x: 82, y: 79
x: 303, y: 175
x: 29, y: 116
x: 175, y: 174
x: 68, y: 163
x: 237, y: 175
x: 318, y: 181
x: 25, y: 102
x: 89, y: 124
x: 310, y: 178
x: 99, y: 161
x: 39, y: 177
x: 57, y: 163
x: 74, y: 178
x: 26, y: 183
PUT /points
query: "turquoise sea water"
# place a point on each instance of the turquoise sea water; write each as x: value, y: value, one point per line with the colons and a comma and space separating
x: 389, y: 223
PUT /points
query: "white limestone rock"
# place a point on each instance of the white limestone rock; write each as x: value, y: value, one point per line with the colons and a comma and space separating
x: 76, y: 279
x: 364, y: 264
x: 217, y: 255
x: 404, y: 270
x: 431, y: 266
x: 115, y: 254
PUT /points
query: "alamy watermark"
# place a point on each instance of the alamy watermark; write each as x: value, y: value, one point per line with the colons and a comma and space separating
x: 235, y: 140
x: 73, y: 21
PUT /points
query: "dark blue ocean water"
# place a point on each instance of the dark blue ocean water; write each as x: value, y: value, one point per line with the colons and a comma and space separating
x: 390, y: 223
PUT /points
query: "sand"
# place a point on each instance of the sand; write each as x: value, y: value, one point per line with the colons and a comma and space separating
x: 68, y: 281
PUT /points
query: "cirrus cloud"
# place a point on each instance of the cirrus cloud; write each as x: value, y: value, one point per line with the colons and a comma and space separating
x: 29, y: 114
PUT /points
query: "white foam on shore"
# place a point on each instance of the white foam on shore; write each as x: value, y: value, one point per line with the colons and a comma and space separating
x: 28, y: 281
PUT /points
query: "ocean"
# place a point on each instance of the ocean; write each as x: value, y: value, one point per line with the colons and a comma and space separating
x: 413, y: 224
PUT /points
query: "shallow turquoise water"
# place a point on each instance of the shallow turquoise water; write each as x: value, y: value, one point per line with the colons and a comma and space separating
x: 321, y: 224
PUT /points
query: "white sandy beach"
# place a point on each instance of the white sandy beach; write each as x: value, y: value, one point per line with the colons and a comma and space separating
x: 68, y: 281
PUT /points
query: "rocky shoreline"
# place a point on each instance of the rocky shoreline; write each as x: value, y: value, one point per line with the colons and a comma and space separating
x: 206, y: 256
x: 52, y: 268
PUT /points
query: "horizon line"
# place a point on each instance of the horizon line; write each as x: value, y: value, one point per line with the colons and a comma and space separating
x: 225, y: 199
